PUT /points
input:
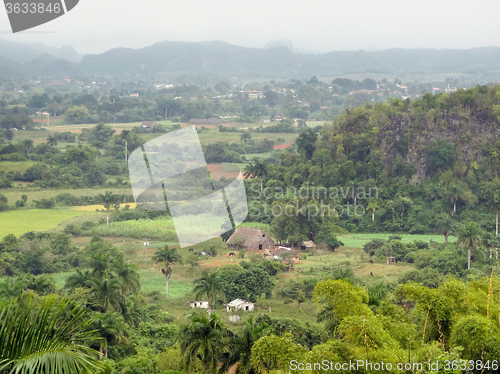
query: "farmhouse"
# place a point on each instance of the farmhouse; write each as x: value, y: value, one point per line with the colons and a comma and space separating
x: 250, y: 239
x: 203, y: 121
x: 284, y: 254
x: 149, y: 124
x: 307, y: 245
x: 198, y: 304
x: 240, y: 304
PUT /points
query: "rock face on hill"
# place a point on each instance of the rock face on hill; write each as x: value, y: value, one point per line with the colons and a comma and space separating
x: 420, y: 138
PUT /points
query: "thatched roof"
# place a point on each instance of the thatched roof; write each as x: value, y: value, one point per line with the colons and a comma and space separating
x: 308, y: 244
x: 251, y: 239
x: 278, y: 251
x: 149, y: 124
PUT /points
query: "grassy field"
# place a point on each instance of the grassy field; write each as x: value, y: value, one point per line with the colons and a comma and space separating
x: 14, y: 194
x: 20, y: 222
x: 162, y: 228
x: 358, y: 240
x: 16, y: 166
x: 93, y: 208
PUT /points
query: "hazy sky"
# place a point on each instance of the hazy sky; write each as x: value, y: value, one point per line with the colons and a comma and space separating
x: 95, y: 26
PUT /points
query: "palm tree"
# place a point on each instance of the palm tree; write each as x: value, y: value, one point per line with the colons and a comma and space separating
x: 100, y: 265
x: 373, y: 205
x: 194, y: 264
x: 250, y: 333
x: 107, y: 293
x: 212, y: 286
x: 469, y: 235
x: 495, y: 207
x: 328, y: 315
x: 256, y: 169
x: 245, y: 137
x: 168, y: 256
x: 111, y: 328
x: 241, y: 345
x: 453, y: 193
x: 126, y: 135
x: 127, y: 276
x: 28, y: 144
x: 445, y: 226
x: 52, y: 141
x: 78, y: 279
x: 204, y: 338
x: 488, y: 240
x: 44, y: 337
x: 107, y: 200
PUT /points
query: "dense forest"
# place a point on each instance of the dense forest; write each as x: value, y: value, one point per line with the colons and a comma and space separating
x: 426, y: 161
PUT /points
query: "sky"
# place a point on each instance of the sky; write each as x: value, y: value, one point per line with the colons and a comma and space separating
x: 95, y: 26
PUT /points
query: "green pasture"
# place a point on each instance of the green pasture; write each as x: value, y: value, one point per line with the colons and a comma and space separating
x: 21, y: 166
x: 151, y: 281
x: 14, y: 194
x: 358, y: 240
x: 162, y: 228
x: 19, y: 222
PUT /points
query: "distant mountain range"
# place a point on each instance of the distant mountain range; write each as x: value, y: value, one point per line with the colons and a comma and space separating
x: 34, y: 60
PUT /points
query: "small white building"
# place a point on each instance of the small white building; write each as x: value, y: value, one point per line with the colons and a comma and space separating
x: 240, y: 304
x: 198, y: 304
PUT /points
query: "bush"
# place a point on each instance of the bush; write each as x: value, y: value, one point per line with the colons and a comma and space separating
x: 45, y: 203
x: 73, y: 230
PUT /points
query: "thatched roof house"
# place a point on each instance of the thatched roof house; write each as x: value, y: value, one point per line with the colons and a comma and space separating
x: 204, y: 121
x: 307, y: 245
x: 149, y: 124
x: 284, y: 250
x: 250, y: 239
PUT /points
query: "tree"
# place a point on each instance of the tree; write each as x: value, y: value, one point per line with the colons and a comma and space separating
x: 126, y: 135
x: 249, y: 284
x: 273, y: 352
x: 78, y: 279
x: 194, y: 265
x: 204, y: 338
x: 54, y: 108
x: 52, y: 141
x: 403, y: 204
x: 301, y: 296
x: 306, y: 143
x: 469, y: 234
x: 256, y: 169
x: 127, y: 276
x: 445, y: 226
x: 76, y: 114
x: 107, y: 200
x: 110, y: 327
x: 454, y: 192
x: 271, y: 98
x: 38, y: 101
x: 107, y: 293
x: 495, y: 207
x: 44, y: 337
x: 27, y: 144
x: 211, y: 285
x: 373, y: 206
x: 242, y: 344
x: 100, y: 135
x: 168, y: 256
x: 345, y: 299
x: 245, y: 137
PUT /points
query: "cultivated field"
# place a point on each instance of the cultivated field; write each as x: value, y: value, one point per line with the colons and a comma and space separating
x: 19, y: 222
